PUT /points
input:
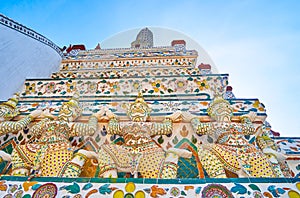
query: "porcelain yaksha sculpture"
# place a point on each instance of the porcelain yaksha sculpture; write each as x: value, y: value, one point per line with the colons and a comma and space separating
x: 51, y: 154
x: 231, y: 151
x: 270, y: 149
x: 8, y: 110
x: 139, y: 153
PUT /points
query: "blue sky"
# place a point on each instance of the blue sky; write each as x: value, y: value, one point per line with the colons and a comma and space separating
x: 256, y: 41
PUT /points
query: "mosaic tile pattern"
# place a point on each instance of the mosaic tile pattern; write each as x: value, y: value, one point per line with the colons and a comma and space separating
x: 159, y: 106
x: 162, y: 86
x: 162, y: 53
x: 86, y: 187
x: 128, y: 72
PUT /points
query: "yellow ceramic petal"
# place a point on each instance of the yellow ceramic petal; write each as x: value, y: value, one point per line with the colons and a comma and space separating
x: 130, y: 187
x: 119, y: 194
x: 298, y: 185
x: 139, y: 194
x: 293, y: 194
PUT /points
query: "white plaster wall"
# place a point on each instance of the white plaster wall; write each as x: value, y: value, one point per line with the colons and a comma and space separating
x: 23, y: 57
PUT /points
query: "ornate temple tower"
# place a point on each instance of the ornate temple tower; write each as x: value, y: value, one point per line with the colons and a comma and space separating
x: 143, y: 121
x: 144, y: 39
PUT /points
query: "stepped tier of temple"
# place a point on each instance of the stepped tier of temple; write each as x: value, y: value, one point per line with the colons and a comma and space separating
x: 144, y: 121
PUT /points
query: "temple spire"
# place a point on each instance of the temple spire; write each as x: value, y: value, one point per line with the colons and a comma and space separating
x: 144, y: 39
